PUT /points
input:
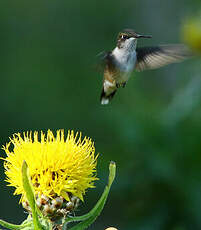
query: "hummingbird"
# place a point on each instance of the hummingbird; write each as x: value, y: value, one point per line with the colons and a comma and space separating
x: 126, y: 57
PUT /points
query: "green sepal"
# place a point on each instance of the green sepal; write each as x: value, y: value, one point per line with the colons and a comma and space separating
x: 30, y: 196
x: 90, y: 217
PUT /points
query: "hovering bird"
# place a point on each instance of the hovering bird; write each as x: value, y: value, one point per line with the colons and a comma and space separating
x: 126, y: 57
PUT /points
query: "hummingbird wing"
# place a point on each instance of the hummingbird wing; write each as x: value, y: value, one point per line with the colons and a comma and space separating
x: 102, y: 59
x: 158, y: 56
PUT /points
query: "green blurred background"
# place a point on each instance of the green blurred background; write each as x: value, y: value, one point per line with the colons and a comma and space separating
x: 152, y: 128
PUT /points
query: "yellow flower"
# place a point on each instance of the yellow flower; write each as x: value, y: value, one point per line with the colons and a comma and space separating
x: 191, y: 33
x: 58, y: 166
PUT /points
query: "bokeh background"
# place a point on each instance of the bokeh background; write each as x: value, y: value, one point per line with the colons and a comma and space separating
x: 152, y: 128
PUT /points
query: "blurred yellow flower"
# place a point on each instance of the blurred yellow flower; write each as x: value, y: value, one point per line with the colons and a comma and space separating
x: 58, y: 165
x: 191, y: 33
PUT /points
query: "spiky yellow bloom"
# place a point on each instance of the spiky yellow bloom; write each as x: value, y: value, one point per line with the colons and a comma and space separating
x: 58, y: 165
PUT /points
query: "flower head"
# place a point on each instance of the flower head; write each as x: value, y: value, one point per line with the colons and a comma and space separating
x: 58, y: 165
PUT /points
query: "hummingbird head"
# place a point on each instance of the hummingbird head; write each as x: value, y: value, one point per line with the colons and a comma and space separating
x: 127, y: 39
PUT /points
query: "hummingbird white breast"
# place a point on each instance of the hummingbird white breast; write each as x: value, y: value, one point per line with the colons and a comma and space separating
x: 125, y: 59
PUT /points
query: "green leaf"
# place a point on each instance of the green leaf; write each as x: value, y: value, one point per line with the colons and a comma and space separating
x: 30, y: 195
x: 13, y: 226
x: 90, y: 217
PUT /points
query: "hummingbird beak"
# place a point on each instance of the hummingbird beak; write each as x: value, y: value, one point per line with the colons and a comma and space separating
x: 143, y: 36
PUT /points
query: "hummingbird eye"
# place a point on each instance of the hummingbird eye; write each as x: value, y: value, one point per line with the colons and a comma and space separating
x: 124, y: 36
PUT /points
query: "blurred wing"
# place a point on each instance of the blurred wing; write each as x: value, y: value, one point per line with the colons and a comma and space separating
x: 102, y: 60
x: 158, y: 56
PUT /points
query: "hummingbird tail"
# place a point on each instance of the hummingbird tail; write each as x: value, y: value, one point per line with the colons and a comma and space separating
x: 105, y: 99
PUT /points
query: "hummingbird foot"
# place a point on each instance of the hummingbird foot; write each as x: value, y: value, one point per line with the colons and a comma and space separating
x: 123, y: 84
